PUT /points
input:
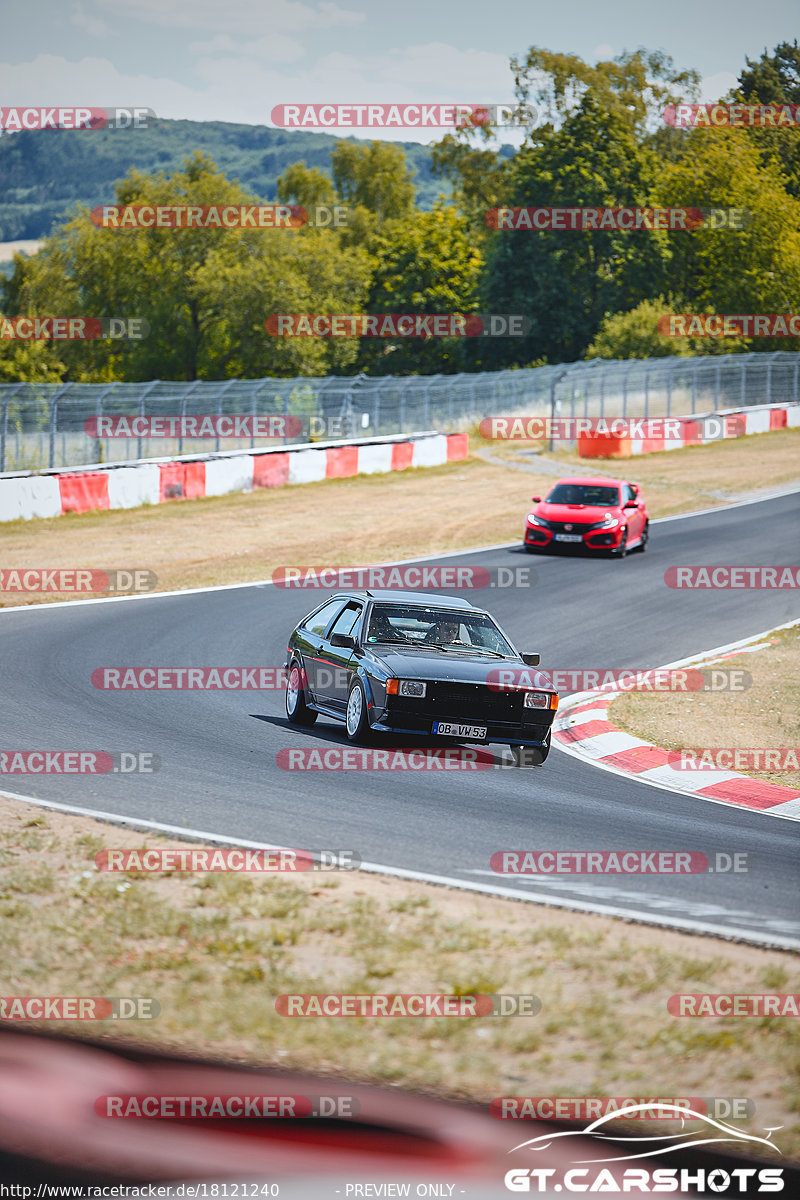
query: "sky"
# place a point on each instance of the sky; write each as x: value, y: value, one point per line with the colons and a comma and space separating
x: 234, y: 60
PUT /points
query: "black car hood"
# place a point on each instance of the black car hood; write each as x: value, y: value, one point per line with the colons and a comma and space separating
x: 456, y: 666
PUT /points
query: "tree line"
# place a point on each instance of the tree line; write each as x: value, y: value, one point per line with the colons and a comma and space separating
x: 600, y: 141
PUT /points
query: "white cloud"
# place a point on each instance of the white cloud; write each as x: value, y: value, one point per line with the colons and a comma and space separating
x: 602, y: 53
x: 94, y: 26
x: 242, y: 17
x: 275, y: 48
x: 236, y: 87
x: 713, y: 87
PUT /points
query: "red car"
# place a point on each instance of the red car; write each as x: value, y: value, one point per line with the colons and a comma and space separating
x: 592, y: 512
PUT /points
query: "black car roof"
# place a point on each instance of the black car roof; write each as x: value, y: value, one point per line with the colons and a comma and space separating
x: 422, y: 599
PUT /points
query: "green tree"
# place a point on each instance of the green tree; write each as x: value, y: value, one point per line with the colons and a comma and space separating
x: 424, y: 263
x: 566, y: 281
x: 775, y: 79
x: 304, y: 185
x: 634, y: 334
x: 725, y: 270
x: 205, y: 293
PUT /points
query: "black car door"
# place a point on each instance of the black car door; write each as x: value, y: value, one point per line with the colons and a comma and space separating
x: 308, y: 640
x: 335, y: 664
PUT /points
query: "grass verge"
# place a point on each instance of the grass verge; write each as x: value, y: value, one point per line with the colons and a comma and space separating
x: 216, y: 949
x: 766, y: 716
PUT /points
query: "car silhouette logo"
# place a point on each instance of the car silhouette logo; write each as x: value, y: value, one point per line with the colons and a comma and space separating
x: 568, y: 527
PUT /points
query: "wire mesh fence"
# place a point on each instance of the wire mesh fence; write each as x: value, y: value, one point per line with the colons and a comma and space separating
x: 45, y: 426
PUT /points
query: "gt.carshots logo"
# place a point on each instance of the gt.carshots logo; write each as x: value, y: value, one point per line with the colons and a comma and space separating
x: 614, y: 1175
x: 219, y: 425
x: 83, y: 580
x: 15, y: 120
x: 245, y: 861
x: 732, y: 577
x: 397, y: 325
x: 411, y: 578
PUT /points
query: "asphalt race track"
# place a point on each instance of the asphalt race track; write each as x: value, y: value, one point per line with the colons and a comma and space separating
x: 218, y: 749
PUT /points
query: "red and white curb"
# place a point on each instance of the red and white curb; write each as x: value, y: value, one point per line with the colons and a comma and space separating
x: 582, y: 728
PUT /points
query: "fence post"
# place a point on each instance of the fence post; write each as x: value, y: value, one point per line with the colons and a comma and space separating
x: 796, y: 365
x: 769, y: 380
x: 670, y: 369
x: 694, y: 387
x: 4, y: 433
x: 743, y: 387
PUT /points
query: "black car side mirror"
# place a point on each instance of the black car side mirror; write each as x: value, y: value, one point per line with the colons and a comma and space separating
x: 531, y: 660
x: 343, y: 641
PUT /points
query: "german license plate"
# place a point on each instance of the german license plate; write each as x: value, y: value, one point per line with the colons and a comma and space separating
x: 569, y: 537
x: 448, y: 729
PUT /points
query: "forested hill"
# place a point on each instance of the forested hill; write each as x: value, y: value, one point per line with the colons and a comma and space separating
x: 43, y: 174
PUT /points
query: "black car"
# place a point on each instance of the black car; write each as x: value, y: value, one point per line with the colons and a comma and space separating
x: 413, y: 663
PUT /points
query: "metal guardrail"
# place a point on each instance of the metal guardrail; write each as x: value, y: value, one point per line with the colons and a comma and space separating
x: 42, y: 425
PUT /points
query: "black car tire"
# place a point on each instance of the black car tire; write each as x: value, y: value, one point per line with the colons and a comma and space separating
x: 531, y: 756
x: 645, y: 536
x: 622, y: 548
x: 356, y: 722
x: 297, y: 711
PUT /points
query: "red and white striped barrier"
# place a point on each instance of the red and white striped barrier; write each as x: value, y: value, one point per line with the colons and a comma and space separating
x: 693, y: 431
x: 128, y: 485
x: 584, y: 728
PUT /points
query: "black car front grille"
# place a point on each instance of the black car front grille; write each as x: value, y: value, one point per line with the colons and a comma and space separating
x: 464, y: 702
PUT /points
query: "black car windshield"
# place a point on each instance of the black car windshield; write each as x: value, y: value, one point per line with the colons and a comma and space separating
x: 415, y: 625
x: 598, y: 495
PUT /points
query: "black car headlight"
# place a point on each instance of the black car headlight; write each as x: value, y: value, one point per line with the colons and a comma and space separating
x: 537, y: 700
x: 412, y: 687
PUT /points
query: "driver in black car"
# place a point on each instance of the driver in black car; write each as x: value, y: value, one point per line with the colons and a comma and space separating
x: 443, y: 631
